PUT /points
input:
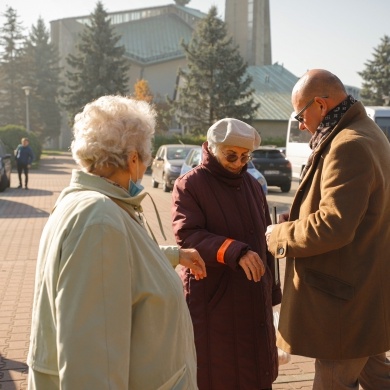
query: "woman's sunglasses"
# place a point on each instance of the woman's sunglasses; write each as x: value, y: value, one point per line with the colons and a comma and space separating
x: 232, y: 157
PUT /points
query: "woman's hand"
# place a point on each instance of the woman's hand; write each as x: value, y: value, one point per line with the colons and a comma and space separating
x: 190, y: 258
x: 252, y: 265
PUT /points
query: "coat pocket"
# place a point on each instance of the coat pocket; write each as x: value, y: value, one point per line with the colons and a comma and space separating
x: 329, y: 285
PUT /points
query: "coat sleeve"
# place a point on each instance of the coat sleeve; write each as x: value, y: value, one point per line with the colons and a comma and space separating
x: 172, y: 253
x: 94, y: 310
x: 189, y: 227
x: 347, y: 178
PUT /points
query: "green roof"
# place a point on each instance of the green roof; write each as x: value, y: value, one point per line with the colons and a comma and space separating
x: 154, y: 39
x: 191, y: 11
x: 273, y: 85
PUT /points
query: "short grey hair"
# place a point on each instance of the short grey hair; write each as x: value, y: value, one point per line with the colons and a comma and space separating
x: 212, y: 147
x: 111, y: 127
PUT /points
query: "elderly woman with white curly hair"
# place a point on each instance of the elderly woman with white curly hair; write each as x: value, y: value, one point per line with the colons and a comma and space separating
x: 109, y: 311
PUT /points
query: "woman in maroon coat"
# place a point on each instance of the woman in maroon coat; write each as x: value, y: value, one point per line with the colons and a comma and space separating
x: 221, y: 210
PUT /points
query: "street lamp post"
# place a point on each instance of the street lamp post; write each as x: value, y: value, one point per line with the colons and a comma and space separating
x: 27, y: 90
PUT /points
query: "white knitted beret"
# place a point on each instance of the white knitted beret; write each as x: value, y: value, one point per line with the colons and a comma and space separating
x: 233, y: 132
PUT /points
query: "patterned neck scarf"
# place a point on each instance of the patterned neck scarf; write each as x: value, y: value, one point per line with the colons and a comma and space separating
x: 326, y: 126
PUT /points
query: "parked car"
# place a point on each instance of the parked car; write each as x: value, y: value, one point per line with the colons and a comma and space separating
x: 167, y: 164
x: 275, y: 167
x: 281, y: 148
x: 5, y: 167
x: 194, y: 158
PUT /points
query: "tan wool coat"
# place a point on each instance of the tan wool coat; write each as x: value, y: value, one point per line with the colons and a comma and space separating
x: 336, y: 301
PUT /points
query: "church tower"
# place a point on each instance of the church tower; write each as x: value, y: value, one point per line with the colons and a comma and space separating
x: 248, y: 22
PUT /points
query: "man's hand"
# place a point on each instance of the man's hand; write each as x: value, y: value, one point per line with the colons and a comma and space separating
x: 284, y: 217
x: 190, y: 258
x: 268, y: 232
x: 252, y: 265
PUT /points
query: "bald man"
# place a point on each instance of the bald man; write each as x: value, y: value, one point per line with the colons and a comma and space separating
x: 336, y: 304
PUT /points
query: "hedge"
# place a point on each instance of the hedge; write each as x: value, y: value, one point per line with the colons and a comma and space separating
x: 176, y: 139
x: 12, y: 135
x: 198, y: 140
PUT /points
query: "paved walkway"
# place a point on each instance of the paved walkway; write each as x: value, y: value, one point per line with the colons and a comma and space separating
x: 23, y: 214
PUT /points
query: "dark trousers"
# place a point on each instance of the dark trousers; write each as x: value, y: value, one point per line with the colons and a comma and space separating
x: 372, y: 373
x: 23, y: 168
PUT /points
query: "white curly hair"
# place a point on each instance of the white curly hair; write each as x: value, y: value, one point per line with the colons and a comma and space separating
x: 111, y: 127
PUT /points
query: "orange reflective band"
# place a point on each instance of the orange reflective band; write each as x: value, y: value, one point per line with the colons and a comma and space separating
x: 222, y: 250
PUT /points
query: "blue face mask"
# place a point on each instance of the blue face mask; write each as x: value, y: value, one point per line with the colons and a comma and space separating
x: 135, y: 188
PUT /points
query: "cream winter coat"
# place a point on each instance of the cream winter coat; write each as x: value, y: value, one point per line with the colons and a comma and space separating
x: 109, y: 311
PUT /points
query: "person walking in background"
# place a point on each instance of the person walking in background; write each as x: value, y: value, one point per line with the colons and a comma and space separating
x: 24, y: 157
x: 108, y: 310
x: 336, y: 295
x: 221, y: 210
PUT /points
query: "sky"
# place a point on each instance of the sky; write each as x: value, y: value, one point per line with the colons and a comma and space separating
x: 339, y: 36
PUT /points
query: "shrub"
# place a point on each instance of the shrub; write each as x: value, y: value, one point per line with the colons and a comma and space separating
x: 11, y: 135
x: 160, y: 139
x: 277, y: 141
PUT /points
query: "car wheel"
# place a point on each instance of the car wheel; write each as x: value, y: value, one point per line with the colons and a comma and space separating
x: 165, y: 187
x: 286, y: 187
x: 154, y: 184
x: 4, y: 182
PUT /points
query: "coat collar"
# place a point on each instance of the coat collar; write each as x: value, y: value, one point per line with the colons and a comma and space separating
x: 83, y: 181
x: 218, y: 171
x: 355, y: 112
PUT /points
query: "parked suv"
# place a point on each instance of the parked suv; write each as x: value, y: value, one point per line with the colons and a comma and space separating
x: 275, y: 167
x: 5, y: 167
x: 167, y: 164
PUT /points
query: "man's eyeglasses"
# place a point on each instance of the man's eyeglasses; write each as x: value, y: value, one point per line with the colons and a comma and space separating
x: 299, y: 116
x: 232, y: 157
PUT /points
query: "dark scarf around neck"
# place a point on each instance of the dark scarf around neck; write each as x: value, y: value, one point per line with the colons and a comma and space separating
x: 326, y: 126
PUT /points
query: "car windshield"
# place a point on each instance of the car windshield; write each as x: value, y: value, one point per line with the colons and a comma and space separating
x: 267, y: 154
x: 177, y: 153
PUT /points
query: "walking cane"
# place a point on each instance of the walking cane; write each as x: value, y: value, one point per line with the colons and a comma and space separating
x: 274, y: 218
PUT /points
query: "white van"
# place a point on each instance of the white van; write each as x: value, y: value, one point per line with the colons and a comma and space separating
x: 297, y: 141
x: 381, y: 116
x: 297, y: 146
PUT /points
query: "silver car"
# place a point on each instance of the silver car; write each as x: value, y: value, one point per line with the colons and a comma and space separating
x: 167, y: 164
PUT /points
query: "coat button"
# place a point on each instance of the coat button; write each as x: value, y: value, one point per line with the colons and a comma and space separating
x: 280, y: 251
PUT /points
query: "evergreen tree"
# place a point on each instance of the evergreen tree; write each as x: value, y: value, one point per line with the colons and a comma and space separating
x: 216, y: 84
x: 376, y: 85
x: 99, y: 67
x: 43, y: 75
x: 164, y: 115
x: 12, y: 99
